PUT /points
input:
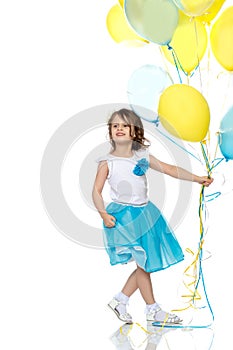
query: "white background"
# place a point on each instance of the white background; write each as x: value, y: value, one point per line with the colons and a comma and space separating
x: 58, y: 59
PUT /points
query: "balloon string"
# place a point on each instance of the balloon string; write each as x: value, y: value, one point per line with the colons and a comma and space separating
x: 195, y: 270
x: 178, y: 64
x: 180, y: 326
x: 207, y: 140
x: 170, y: 139
x: 208, y: 167
x: 176, y: 61
x: 201, y: 277
x: 217, y: 145
x: 219, y: 161
x: 214, y: 162
x: 202, y: 228
x: 208, y: 61
x: 213, y: 196
x: 226, y: 91
x: 202, y: 231
x: 165, y: 62
x: 129, y: 330
x: 130, y: 338
x: 198, y: 59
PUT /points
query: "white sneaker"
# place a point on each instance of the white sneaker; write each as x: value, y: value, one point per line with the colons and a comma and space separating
x: 125, y: 317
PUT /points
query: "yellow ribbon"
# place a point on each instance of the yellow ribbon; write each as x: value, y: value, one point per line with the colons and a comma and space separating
x: 192, y: 270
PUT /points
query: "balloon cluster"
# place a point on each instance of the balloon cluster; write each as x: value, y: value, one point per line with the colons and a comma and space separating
x: 183, y: 29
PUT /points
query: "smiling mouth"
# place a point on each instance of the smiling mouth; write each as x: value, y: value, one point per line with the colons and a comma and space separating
x: 120, y: 134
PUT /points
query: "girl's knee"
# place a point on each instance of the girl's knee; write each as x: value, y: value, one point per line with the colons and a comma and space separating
x: 141, y: 269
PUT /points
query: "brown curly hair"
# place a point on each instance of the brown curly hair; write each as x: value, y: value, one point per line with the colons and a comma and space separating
x: 136, y: 128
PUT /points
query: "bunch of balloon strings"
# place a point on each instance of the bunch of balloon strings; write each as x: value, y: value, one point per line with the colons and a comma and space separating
x: 194, y: 270
x: 177, y: 63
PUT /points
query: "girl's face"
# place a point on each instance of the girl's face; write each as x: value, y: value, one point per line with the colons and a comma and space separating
x: 120, y: 130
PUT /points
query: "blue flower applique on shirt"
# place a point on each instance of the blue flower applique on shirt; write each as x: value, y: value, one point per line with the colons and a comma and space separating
x: 141, y: 167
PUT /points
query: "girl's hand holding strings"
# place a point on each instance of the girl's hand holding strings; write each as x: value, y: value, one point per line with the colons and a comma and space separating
x: 204, y: 180
x: 109, y: 220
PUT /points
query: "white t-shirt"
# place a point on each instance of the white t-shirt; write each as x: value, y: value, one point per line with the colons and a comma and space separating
x: 127, y: 177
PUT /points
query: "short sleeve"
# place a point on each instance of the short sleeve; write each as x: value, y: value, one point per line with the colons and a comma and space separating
x: 102, y: 158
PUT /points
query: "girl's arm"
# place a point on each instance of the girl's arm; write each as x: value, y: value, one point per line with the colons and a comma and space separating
x: 100, y: 179
x: 178, y: 172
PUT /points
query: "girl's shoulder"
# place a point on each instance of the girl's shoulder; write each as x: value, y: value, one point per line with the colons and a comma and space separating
x: 137, y: 155
x: 142, y: 153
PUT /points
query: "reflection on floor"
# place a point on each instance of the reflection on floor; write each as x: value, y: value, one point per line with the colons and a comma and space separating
x: 136, y: 336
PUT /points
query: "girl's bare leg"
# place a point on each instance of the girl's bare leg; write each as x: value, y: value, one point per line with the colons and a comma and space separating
x: 140, y: 279
x: 145, y: 285
x: 131, y: 285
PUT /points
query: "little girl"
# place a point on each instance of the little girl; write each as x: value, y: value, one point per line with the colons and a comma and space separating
x: 134, y: 228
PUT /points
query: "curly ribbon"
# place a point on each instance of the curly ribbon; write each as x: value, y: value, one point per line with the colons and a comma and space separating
x: 194, y: 270
x: 129, y: 331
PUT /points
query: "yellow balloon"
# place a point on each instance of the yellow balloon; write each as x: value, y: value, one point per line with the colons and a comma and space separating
x: 211, y: 12
x: 121, y: 2
x: 193, y: 7
x: 118, y: 27
x: 221, y: 39
x: 189, y: 42
x: 184, y: 112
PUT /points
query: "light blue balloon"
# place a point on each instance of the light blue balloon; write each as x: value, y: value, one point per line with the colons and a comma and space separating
x: 225, y: 138
x: 144, y: 89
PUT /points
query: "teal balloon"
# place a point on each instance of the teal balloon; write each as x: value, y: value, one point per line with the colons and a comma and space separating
x: 153, y: 20
x: 145, y: 86
x: 225, y: 137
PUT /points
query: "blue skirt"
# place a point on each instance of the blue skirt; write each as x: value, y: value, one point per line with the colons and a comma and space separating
x: 141, y: 234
